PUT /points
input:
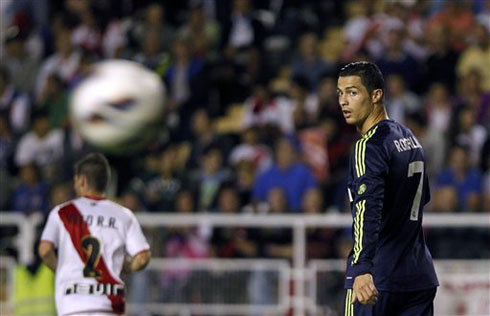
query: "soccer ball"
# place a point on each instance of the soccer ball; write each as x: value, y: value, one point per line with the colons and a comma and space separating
x: 118, y: 107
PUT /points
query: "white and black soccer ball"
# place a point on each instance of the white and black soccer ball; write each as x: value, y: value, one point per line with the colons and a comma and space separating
x: 118, y: 107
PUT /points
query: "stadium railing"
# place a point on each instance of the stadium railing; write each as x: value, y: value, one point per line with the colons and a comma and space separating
x: 302, y: 298
x: 211, y: 287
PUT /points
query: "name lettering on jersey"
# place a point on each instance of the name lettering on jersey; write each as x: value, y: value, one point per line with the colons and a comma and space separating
x: 98, y: 221
x: 404, y: 144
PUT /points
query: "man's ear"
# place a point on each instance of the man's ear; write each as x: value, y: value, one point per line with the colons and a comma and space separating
x: 377, y: 96
x: 81, y: 180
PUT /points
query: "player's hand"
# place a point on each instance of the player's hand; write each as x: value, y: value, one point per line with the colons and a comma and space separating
x: 364, y: 290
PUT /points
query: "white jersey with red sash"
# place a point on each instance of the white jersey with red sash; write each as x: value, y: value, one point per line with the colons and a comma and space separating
x: 92, y: 237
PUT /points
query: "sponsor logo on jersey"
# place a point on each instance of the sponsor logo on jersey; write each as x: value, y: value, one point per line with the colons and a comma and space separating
x: 96, y: 289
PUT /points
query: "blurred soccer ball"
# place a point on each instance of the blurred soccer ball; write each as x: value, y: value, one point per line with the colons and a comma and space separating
x: 118, y: 107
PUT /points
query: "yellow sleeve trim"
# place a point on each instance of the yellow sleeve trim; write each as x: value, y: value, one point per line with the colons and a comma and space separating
x: 358, y: 230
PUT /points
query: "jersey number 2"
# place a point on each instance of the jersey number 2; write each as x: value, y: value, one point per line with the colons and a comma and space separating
x: 91, y: 246
x: 413, y: 168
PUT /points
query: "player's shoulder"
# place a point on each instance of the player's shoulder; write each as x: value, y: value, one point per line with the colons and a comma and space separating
x: 376, y: 137
x: 119, y: 210
x: 386, y: 133
x: 61, y: 206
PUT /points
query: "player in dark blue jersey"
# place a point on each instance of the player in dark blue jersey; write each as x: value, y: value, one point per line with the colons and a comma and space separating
x: 389, y: 270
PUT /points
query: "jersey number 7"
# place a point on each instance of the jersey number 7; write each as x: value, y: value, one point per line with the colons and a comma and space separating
x: 413, y: 168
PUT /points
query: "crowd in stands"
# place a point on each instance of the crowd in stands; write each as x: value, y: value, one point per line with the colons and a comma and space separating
x: 252, y: 121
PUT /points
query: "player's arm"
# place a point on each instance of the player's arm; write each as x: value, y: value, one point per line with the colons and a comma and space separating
x: 137, y: 248
x: 47, y: 254
x: 49, y: 241
x: 137, y: 262
x: 371, y: 167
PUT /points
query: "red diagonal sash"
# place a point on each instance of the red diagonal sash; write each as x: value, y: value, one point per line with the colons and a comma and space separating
x: 78, y: 229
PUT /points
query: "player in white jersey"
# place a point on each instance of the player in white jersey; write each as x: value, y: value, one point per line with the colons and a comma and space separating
x: 95, y: 239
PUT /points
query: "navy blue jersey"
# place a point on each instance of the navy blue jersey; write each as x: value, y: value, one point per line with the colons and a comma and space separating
x: 388, y: 188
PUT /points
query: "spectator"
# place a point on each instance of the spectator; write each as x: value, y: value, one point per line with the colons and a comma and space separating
x: 291, y: 176
x: 328, y: 102
x: 88, y: 34
x: 442, y: 59
x: 483, y: 16
x: 208, y: 179
x: 245, y: 178
x: 357, y: 29
x: 309, y: 64
x: 151, y: 55
x: 154, y: 21
x: 7, y: 148
x: 401, y: 102
x: 184, y: 243
x: 14, y: 104
x: 274, y: 243
x: 396, y: 60
x: 232, y: 242
x: 31, y: 194
x: 252, y: 70
x: 485, y: 168
x: 477, y: 56
x: 459, y: 21
x: 203, y: 133
x: 21, y: 65
x: 266, y: 112
x: 60, y: 193
x: 439, y: 108
x: 186, y: 83
x: 242, y: 29
x: 313, y: 202
x: 158, y: 192
x: 54, y: 100
x: 203, y: 32
x: 319, y: 240
x: 185, y: 202
x: 42, y: 146
x: 458, y: 187
x: 63, y: 63
x: 467, y: 132
x: 250, y: 150
x: 304, y: 104
x: 433, y: 142
x: 472, y: 94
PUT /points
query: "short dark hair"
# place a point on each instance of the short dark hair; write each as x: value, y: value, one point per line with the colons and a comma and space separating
x: 371, y: 76
x: 96, y: 168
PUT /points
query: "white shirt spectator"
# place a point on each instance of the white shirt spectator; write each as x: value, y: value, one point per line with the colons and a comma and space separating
x: 258, y: 154
x: 41, y: 151
x: 65, y: 68
x: 18, y: 106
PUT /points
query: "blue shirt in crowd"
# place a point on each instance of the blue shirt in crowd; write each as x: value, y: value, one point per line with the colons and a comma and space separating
x: 27, y: 199
x: 471, y: 184
x: 295, y: 181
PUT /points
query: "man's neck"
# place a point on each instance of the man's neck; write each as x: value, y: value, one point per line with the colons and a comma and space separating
x: 92, y: 194
x: 378, y: 115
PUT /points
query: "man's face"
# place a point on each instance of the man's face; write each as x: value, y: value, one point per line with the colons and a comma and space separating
x: 354, y: 99
x: 285, y: 154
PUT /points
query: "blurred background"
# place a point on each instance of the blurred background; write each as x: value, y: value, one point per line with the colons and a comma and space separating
x: 252, y: 132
